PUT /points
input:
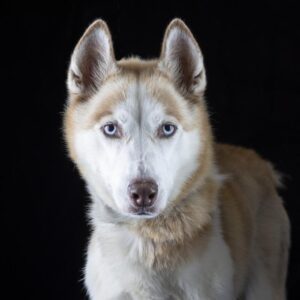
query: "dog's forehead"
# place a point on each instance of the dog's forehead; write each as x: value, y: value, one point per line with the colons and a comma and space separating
x: 141, y: 97
x: 144, y: 102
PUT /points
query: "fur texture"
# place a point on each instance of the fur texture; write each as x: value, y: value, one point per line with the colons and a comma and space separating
x: 217, y: 228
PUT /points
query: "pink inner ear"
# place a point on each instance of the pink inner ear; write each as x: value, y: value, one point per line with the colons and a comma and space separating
x: 93, y: 58
x: 87, y: 65
x: 183, y: 58
x: 185, y: 63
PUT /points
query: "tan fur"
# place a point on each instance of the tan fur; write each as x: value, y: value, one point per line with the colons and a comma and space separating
x: 254, y: 220
x: 175, y: 233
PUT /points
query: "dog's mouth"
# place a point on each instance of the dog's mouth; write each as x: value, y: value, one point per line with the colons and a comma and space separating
x: 146, y: 212
x: 143, y: 213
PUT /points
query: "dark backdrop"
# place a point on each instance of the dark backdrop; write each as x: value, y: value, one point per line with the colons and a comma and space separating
x: 252, y: 64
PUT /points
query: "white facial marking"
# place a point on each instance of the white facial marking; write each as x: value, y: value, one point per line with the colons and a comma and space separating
x: 110, y: 164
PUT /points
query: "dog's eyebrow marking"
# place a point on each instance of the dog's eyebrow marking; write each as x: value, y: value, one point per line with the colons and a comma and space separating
x: 106, y: 104
x: 104, y: 109
x: 168, y: 100
x: 102, y: 114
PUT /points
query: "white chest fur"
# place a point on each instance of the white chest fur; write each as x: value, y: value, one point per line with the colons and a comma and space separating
x: 115, y: 269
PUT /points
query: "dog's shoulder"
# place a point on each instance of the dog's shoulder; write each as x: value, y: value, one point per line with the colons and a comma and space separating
x: 246, y: 164
x: 247, y: 196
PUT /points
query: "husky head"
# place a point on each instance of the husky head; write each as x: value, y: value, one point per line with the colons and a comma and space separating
x: 137, y: 129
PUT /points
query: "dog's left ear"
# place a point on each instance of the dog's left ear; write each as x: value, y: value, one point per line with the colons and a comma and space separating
x: 181, y: 57
x: 92, y: 60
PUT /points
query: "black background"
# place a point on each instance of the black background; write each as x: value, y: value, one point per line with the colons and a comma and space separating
x: 252, y: 63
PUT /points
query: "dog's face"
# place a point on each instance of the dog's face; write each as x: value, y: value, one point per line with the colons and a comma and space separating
x: 133, y: 126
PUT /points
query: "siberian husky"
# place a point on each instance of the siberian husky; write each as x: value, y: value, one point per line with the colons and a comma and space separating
x: 174, y: 215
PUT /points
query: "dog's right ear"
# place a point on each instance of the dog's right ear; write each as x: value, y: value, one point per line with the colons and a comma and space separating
x: 182, y: 58
x: 92, y: 60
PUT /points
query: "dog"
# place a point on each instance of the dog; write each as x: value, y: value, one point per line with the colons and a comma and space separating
x: 174, y: 214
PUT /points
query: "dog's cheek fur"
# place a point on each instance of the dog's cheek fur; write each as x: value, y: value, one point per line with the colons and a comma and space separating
x: 105, y: 165
x: 180, y: 161
x: 92, y: 162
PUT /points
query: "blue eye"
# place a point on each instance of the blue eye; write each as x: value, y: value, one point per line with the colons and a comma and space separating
x: 166, y: 130
x: 111, y: 130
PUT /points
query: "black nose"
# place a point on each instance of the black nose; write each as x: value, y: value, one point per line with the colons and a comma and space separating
x: 142, y: 192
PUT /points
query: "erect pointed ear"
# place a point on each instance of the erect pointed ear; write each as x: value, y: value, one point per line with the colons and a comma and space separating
x: 92, y: 60
x: 181, y: 57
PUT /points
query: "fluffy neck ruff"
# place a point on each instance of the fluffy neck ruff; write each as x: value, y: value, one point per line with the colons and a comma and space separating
x: 187, y: 226
x: 167, y: 240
